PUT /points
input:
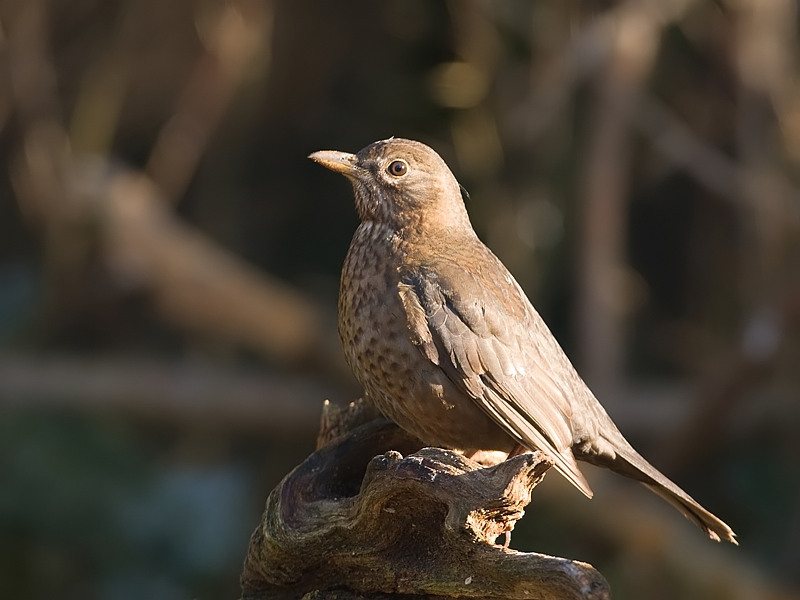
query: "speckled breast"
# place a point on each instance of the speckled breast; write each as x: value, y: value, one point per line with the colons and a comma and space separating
x: 404, y: 384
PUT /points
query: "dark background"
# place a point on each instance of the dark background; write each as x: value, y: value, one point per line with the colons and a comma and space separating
x: 169, y: 265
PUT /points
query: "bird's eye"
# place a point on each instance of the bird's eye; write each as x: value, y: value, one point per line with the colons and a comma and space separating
x: 397, y: 168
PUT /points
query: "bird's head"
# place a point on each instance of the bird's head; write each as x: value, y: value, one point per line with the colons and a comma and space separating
x: 400, y: 183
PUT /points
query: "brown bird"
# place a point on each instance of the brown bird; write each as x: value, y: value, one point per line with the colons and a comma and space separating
x: 446, y: 343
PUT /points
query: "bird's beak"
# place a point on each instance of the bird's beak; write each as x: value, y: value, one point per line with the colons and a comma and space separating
x: 341, y: 162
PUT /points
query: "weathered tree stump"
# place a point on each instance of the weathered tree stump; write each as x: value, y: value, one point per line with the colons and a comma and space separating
x: 358, y: 520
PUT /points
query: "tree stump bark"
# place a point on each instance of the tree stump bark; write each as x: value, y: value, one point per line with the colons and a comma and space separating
x: 359, y: 520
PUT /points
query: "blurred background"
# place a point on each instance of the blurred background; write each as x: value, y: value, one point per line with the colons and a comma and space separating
x: 169, y: 265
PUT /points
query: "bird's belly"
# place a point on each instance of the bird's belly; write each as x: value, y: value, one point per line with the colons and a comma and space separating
x: 428, y: 405
x: 406, y: 386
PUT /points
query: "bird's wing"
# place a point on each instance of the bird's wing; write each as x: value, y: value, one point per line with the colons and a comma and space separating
x: 493, y: 345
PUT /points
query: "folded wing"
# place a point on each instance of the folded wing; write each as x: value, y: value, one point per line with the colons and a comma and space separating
x: 486, y: 342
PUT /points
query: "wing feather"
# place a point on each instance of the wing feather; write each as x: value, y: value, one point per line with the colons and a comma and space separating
x: 486, y: 344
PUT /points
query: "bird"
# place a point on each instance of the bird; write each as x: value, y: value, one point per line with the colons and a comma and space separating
x: 446, y: 343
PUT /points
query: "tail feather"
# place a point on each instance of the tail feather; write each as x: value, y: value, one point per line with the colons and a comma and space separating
x: 714, y: 527
x: 630, y: 463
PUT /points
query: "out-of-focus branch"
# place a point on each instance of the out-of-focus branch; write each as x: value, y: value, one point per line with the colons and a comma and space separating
x: 582, y: 57
x: 183, y: 395
x: 234, y: 34
x: 720, y: 173
x: 601, y: 299
x: 762, y: 31
x: 87, y: 210
x: 195, y: 283
x: 762, y: 57
x: 754, y: 361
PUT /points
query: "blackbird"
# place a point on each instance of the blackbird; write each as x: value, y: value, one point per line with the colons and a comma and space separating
x: 444, y: 340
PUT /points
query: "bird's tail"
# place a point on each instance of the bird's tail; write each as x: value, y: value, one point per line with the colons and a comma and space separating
x: 630, y: 463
